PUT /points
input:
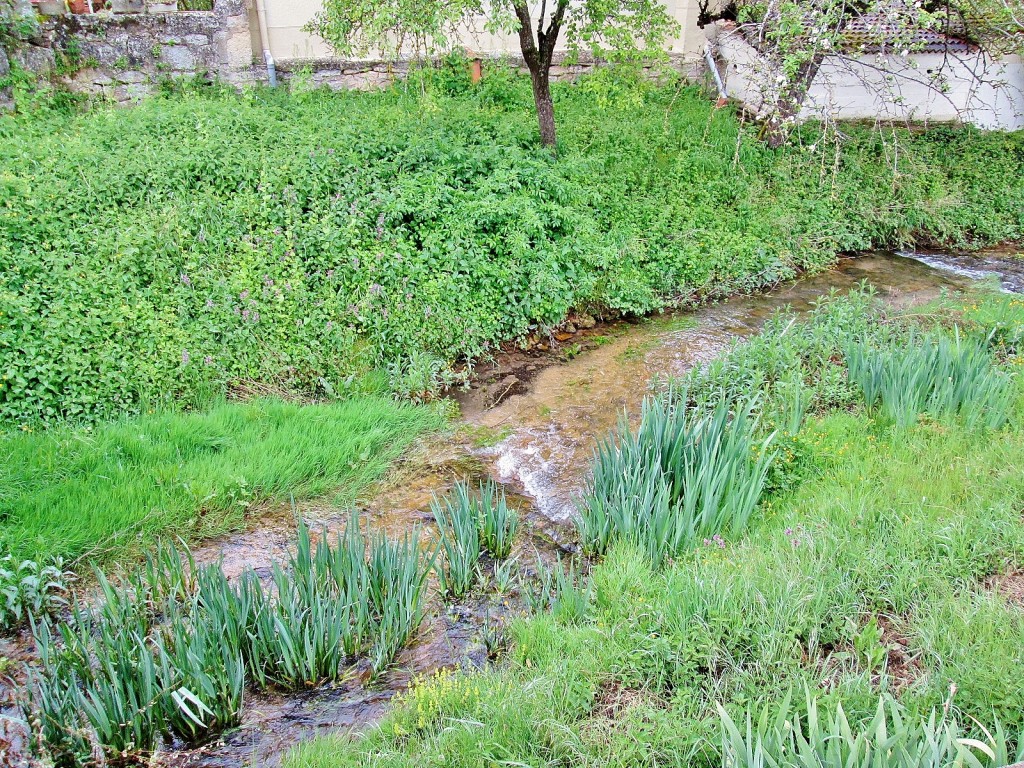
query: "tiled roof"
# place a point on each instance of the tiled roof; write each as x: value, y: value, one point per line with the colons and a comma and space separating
x: 876, y: 34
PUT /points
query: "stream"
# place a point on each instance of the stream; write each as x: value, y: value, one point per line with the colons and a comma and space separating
x: 530, y: 424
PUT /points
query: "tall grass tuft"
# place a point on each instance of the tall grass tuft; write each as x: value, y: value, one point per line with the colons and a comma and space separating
x: 782, y: 736
x: 938, y: 375
x: 684, y: 474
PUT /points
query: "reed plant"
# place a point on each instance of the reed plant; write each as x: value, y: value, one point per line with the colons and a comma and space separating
x: 893, y: 738
x: 459, y: 540
x: 685, y: 473
x: 564, y: 590
x: 939, y: 375
x: 170, y: 648
x: 498, y: 523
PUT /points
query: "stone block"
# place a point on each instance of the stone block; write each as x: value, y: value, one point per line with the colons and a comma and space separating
x: 5, y: 63
x: 178, y: 57
x: 127, y: 6
x: 197, y: 40
x: 133, y: 92
x: 52, y: 8
x: 41, y: 61
x: 131, y: 76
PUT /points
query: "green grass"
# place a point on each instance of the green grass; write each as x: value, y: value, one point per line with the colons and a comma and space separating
x: 153, y: 254
x: 896, y: 527
x: 90, y: 492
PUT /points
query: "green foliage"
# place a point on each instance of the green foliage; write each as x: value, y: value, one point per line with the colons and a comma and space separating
x: 90, y: 492
x: 902, y: 523
x: 498, y: 523
x: 939, y: 376
x: 615, y: 30
x: 563, y: 591
x: 170, y: 650
x: 457, y: 521
x: 154, y: 255
x: 469, y: 523
x: 796, y: 363
x: 684, y: 474
x: 781, y: 735
x: 29, y: 590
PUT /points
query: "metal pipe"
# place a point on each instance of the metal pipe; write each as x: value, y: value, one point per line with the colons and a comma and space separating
x: 710, y: 59
x: 268, y: 57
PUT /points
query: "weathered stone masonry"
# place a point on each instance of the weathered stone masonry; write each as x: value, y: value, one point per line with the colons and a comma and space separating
x: 123, y: 56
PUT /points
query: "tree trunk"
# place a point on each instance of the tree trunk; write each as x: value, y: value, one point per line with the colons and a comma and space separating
x: 776, y: 130
x: 545, y: 107
x: 537, y: 53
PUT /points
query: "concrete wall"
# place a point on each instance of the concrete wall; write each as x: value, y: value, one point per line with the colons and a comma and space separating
x: 925, y: 87
x: 286, y: 18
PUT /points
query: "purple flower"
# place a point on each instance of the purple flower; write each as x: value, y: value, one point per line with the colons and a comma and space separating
x: 243, y: 295
x: 329, y: 325
x: 245, y: 314
x: 185, y: 280
x: 330, y: 273
x: 255, y: 317
x: 208, y: 360
x: 789, y: 532
x: 184, y: 357
x: 209, y: 303
x: 796, y: 542
x: 375, y: 290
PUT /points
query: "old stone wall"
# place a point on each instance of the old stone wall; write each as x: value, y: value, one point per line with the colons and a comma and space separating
x: 339, y: 74
x: 122, y: 56
x: 122, y: 53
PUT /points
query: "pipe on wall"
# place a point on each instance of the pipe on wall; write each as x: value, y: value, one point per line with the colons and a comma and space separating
x: 709, y: 57
x: 268, y: 57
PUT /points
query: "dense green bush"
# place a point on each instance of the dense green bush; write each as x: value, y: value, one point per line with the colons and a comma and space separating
x: 208, y: 237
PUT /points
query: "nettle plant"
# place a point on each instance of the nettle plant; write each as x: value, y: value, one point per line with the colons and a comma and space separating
x: 610, y: 30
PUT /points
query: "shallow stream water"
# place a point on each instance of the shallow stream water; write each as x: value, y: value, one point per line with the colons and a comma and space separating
x: 531, y: 424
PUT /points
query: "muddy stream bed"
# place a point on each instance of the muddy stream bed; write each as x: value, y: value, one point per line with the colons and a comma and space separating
x: 530, y: 423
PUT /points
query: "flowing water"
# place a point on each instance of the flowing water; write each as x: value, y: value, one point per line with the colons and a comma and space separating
x: 531, y: 424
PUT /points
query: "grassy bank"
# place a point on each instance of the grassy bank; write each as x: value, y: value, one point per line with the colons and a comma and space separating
x: 95, y: 492
x: 153, y: 254
x: 866, y: 570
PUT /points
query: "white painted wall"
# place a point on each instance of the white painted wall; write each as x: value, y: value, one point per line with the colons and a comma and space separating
x: 285, y: 19
x: 977, y: 90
